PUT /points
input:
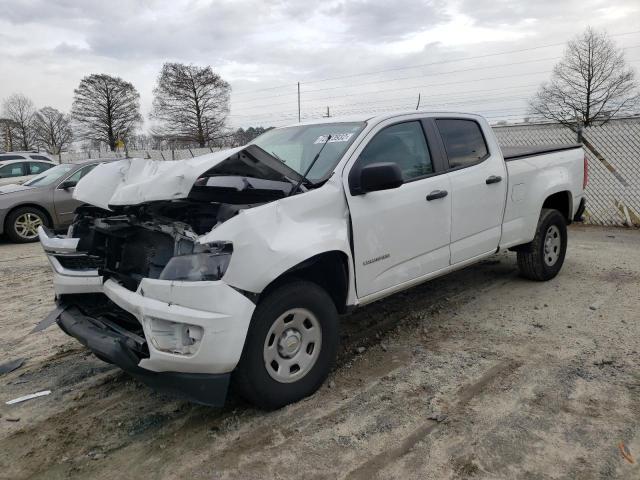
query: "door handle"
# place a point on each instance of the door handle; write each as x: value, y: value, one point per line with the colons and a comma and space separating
x: 493, y: 179
x: 437, y: 194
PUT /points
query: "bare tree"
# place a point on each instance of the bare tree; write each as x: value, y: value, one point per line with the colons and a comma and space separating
x: 20, y: 111
x: 190, y: 102
x: 52, y: 130
x: 8, y: 133
x: 591, y: 84
x: 106, y: 109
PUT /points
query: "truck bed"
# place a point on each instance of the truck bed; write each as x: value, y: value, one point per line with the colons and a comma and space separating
x: 513, y: 153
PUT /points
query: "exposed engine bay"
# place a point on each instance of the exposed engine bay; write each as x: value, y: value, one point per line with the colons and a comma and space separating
x: 159, y: 239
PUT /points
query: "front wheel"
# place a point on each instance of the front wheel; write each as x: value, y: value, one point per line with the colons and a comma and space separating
x: 22, y: 224
x: 290, y: 347
x: 542, y: 259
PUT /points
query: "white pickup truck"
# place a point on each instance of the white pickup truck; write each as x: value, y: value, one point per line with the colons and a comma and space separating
x: 234, y: 266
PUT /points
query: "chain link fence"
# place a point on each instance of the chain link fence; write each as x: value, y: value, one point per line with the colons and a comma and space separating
x: 613, y: 154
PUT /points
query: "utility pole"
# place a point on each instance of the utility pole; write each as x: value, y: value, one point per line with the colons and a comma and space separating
x: 328, y: 114
x: 418, y: 105
x: 298, y: 102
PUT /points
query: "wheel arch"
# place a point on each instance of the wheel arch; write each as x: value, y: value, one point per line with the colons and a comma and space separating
x: 561, y: 201
x: 329, y: 270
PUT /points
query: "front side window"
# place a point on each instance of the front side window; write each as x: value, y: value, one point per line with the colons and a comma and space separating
x: 40, y: 157
x: 11, y: 157
x: 13, y: 170
x: 403, y: 144
x: 76, y: 177
x: 296, y: 147
x: 463, y: 141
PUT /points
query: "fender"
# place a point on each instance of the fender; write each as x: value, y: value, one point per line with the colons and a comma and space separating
x: 275, y: 237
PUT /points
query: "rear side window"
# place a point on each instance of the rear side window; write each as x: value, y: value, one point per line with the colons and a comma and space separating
x: 13, y: 170
x: 38, y: 167
x: 403, y: 144
x: 40, y: 157
x: 11, y: 157
x: 463, y: 141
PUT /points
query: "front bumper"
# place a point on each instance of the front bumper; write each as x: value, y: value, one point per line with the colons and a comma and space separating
x: 117, y: 348
x: 219, y: 311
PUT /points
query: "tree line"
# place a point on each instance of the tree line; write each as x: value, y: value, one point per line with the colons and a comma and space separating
x: 190, y: 106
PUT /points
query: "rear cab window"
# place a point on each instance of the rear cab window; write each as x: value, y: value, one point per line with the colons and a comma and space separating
x: 463, y: 141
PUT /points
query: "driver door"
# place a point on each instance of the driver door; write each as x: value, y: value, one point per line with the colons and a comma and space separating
x: 400, y: 234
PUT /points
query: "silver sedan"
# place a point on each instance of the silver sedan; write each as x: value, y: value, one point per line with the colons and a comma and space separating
x: 44, y: 200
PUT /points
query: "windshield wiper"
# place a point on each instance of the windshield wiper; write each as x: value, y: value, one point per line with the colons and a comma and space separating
x: 277, y: 156
x: 313, y: 162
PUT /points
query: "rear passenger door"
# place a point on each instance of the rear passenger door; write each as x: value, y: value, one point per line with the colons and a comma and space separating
x: 478, y: 188
x: 401, y: 234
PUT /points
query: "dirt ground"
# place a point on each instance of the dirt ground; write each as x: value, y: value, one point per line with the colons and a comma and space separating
x: 479, y: 374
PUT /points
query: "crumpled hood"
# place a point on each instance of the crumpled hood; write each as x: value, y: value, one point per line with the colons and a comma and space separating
x: 133, y: 181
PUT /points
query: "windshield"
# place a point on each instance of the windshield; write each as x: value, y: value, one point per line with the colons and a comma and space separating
x: 297, y: 146
x: 50, y: 176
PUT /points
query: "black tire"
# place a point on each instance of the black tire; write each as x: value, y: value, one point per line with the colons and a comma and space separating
x: 251, y: 378
x: 533, y: 261
x: 12, y: 229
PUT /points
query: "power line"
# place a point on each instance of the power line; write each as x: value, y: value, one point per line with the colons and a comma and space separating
x: 409, y: 78
x: 395, y: 79
x: 411, y: 99
x: 324, y: 99
x: 507, y: 52
x: 408, y: 101
x: 456, y: 60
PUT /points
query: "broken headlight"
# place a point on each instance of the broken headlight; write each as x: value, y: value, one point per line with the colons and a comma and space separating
x: 210, y: 263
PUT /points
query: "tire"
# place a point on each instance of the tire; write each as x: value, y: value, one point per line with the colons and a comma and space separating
x: 266, y: 374
x: 22, y: 223
x: 542, y: 259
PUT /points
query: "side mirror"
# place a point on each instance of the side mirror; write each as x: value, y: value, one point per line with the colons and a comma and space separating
x: 68, y: 184
x: 375, y: 177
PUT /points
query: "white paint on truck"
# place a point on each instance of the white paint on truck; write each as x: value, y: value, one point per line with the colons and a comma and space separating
x: 436, y: 220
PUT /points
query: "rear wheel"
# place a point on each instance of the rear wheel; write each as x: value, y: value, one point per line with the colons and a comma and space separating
x: 542, y: 259
x: 22, y: 224
x: 290, y: 347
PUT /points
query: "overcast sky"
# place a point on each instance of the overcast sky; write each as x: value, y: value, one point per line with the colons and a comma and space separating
x: 47, y: 46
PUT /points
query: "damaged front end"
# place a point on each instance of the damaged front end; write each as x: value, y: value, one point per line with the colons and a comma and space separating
x: 142, y: 242
x: 136, y: 283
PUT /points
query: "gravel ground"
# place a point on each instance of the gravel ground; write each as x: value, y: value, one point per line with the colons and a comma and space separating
x: 479, y: 374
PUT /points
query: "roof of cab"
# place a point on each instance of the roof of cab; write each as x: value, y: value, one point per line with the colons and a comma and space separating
x: 375, y: 117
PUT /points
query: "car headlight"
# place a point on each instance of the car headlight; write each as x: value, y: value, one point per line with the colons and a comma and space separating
x: 209, y: 264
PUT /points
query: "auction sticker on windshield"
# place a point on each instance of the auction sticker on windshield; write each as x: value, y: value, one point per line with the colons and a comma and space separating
x: 335, y: 137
